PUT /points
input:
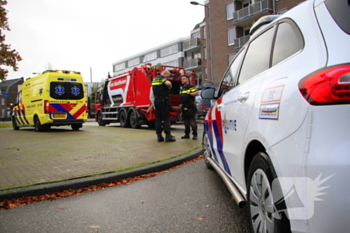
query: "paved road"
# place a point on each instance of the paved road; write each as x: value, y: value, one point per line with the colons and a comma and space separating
x: 31, y: 158
x: 189, y: 199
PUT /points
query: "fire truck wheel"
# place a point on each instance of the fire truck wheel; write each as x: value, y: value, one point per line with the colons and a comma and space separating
x: 134, y: 120
x: 123, y: 119
x: 151, y: 124
x: 99, y: 120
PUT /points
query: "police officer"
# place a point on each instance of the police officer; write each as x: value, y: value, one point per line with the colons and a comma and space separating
x: 160, y: 88
x: 189, y: 109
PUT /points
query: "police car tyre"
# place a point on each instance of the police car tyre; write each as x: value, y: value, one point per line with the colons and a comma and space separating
x: 123, y: 119
x: 14, y: 124
x: 262, y: 207
x: 37, y: 126
x: 206, y: 150
x: 99, y: 120
x: 134, y: 120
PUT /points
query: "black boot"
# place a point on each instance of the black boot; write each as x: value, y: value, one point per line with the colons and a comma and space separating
x: 169, y: 138
x: 186, y: 136
x: 160, y: 137
x: 194, y: 137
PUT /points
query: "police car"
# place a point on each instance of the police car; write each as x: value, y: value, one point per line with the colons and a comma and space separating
x: 279, y: 131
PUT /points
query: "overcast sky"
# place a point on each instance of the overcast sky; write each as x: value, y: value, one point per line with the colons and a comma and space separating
x: 79, y: 34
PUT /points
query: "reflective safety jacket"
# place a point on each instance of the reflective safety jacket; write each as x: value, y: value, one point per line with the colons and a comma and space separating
x: 160, y: 90
x: 185, y: 97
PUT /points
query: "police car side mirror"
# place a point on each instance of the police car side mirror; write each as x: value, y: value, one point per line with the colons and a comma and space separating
x: 208, y: 93
x: 208, y: 85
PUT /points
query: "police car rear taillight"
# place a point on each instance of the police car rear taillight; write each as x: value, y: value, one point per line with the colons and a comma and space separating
x: 46, y: 107
x: 86, y: 107
x: 327, y: 86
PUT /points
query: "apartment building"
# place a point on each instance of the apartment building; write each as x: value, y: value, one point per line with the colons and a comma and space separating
x: 8, y: 95
x: 228, y: 23
x: 170, y: 53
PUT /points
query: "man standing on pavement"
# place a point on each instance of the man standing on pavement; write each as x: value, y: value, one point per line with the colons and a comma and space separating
x: 189, y: 109
x: 160, y: 88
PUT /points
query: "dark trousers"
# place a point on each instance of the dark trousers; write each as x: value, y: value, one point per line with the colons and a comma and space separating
x: 162, y: 115
x: 188, y: 117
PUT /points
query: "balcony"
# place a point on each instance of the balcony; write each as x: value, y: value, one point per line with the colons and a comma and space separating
x: 192, y: 45
x: 193, y: 64
x: 247, y: 15
x: 239, y: 42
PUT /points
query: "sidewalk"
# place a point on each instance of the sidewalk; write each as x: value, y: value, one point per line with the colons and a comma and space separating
x: 33, y: 163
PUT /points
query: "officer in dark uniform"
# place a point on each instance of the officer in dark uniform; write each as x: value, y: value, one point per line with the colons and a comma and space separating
x: 188, y: 94
x: 160, y: 88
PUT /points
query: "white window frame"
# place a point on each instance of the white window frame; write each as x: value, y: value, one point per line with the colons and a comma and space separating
x: 169, y: 50
x: 231, y: 36
x: 230, y: 8
x: 150, y: 56
x: 119, y: 66
x: 134, y: 62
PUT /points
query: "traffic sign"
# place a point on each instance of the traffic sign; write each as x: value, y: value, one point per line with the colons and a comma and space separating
x: 5, y: 95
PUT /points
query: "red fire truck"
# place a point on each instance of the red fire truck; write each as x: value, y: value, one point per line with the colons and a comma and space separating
x: 125, y: 98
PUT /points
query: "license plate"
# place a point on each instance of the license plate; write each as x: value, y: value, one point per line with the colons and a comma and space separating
x: 59, y: 115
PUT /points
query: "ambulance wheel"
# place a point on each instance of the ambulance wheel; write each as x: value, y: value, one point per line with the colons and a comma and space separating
x: 266, y: 205
x: 123, y: 119
x: 206, y: 150
x: 14, y: 124
x: 76, y: 126
x: 99, y: 120
x: 37, y: 127
x: 134, y: 120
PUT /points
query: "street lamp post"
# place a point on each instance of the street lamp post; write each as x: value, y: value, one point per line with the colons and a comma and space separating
x: 210, y: 40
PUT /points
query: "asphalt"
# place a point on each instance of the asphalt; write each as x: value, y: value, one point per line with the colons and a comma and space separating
x: 33, y: 163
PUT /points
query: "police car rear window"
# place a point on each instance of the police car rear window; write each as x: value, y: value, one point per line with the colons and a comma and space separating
x: 340, y: 11
x: 66, y: 90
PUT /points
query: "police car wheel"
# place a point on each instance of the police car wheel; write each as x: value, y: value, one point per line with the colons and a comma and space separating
x: 206, y: 150
x: 37, y: 127
x: 266, y: 207
x: 14, y: 124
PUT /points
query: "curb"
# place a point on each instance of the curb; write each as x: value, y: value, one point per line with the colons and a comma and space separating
x: 81, y: 182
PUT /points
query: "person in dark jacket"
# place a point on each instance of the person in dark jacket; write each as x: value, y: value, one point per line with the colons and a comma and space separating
x: 188, y: 94
x: 160, y: 89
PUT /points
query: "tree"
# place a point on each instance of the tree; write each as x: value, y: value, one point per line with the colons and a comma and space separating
x: 8, y: 56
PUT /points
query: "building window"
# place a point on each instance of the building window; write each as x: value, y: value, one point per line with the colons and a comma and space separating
x: 205, y: 73
x: 150, y: 57
x: 231, y: 36
x: 119, y: 66
x: 196, y: 35
x: 230, y: 8
x: 205, y: 52
x: 172, y: 63
x: 2, y: 101
x: 134, y: 62
x: 204, y: 32
x: 169, y: 50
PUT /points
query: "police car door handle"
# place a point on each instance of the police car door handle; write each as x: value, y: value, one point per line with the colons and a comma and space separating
x: 219, y: 106
x: 243, y: 97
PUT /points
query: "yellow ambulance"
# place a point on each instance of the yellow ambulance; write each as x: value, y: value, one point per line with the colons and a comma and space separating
x: 54, y: 98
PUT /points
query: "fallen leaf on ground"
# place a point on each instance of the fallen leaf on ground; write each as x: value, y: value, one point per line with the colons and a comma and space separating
x: 95, y: 227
